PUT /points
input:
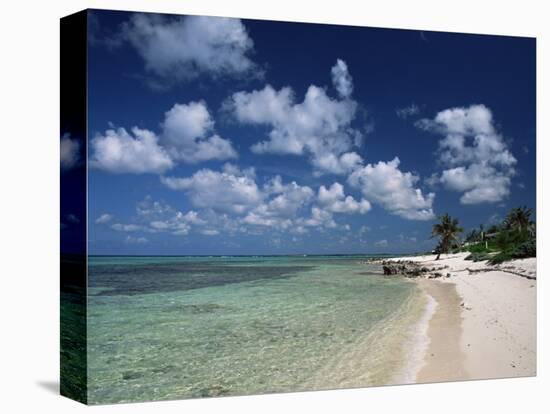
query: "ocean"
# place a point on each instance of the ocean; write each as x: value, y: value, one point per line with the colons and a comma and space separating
x: 182, y: 327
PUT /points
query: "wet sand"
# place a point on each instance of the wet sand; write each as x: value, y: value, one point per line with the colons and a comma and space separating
x: 444, y: 359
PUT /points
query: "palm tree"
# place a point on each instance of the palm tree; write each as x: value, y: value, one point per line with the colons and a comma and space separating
x: 447, y: 230
x: 519, y: 219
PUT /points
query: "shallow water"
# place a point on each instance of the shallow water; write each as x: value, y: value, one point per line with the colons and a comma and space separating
x: 180, y: 327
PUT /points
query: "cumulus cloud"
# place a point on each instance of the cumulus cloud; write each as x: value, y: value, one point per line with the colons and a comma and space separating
x: 178, y: 223
x: 287, y: 199
x: 479, y: 183
x: 472, y: 121
x: 188, y: 135
x: 104, y: 218
x: 295, y: 208
x: 341, y: 79
x: 283, y: 203
x: 232, y: 190
x: 230, y: 200
x: 159, y: 217
x: 476, y: 159
x: 319, y: 126
x: 151, y: 209
x: 334, y: 200
x: 69, y: 152
x: 138, y: 152
x: 319, y: 218
x: 384, y: 183
x: 182, y: 48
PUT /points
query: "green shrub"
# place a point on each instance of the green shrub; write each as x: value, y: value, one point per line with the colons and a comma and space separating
x: 525, y: 249
x: 520, y: 251
x: 501, y: 257
x: 508, y: 240
x: 477, y: 248
x: 478, y: 256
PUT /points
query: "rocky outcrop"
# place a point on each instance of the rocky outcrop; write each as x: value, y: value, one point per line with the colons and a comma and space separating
x: 411, y: 269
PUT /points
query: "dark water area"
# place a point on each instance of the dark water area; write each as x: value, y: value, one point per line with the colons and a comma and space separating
x: 138, y: 279
x: 73, y: 327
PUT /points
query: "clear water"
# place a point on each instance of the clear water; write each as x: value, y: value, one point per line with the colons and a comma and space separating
x: 182, y: 327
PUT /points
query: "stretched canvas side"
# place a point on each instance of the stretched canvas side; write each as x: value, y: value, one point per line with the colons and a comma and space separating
x: 73, y: 311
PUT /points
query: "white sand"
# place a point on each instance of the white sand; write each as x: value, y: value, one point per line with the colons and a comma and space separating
x: 498, y: 319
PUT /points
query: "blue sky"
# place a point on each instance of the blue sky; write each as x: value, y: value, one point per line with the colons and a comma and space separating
x: 227, y: 136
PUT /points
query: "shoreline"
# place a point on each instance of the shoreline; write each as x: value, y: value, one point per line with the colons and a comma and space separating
x: 417, y: 344
x: 443, y: 359
x: 484, y: 323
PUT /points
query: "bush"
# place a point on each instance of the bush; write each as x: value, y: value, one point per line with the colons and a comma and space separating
x: 501, y: 257
x: 478, y: 256
x: 508, y: 240
x: 477, y: 248
x: 525, y: 249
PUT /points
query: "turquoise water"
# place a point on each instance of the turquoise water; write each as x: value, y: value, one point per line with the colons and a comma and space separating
x: 182, y: 327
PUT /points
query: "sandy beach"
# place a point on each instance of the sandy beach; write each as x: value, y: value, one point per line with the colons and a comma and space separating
x: 484, y: 324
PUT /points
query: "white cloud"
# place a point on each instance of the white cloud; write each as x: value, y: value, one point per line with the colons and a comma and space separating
x: 364, y: 229
x: 136, y: 240
x: 188, y: 135
x: 474, y: 120
x: 233, y: 202
x: 182, y: 48
x: 118, y: 151
x: 71, y: 218
x: 179, y: 224
x: 385, y: 184
x: 283, y: 204
x: 319, y: 218
x: 176, y: 222
x: 319, y: 127
x: 184, y: 123
x: 341, y: 79
x: 209, y: 232
x: 408, y: 111
x: 232, y: 190
x: 477, y: 160
x: 151, y: 209
x: 104, y: 218
x: 159, y: 217
x: 407, y: 239
x: 334, y: 200
x: 381, y: 243
x: 291, y: 207
x: 287, y: 198
x: 69, y: 152
x: 336, y: 164
x: 126, y: 227
x: 479, y: 183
